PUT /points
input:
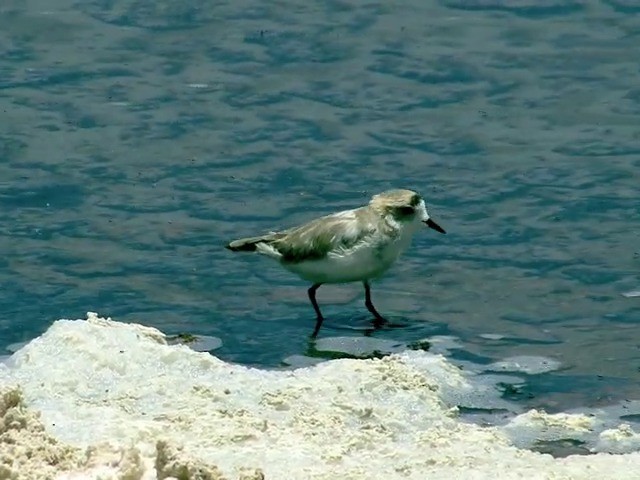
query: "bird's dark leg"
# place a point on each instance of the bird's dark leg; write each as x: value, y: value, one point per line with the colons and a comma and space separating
x: 320, y: 318
x: 367, y: 302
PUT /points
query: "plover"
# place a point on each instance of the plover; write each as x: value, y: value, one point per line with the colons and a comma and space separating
x: 356, y: 245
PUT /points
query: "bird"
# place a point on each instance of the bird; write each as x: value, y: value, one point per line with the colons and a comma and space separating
x: 356, y: 245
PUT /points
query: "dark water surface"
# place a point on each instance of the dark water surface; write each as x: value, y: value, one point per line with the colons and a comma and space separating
x: 138, y: 137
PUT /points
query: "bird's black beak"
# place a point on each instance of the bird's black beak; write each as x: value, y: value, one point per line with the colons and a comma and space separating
x: 431, y: 224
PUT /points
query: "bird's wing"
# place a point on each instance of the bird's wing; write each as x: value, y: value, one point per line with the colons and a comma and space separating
x: 314, y: 240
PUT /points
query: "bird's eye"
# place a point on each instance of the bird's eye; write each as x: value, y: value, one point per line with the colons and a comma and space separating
x: 406, y: 210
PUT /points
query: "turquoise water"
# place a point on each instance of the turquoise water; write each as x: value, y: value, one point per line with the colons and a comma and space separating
x: 139, y: 137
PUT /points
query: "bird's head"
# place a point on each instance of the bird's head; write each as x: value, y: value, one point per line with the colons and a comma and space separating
x: 406, y: 207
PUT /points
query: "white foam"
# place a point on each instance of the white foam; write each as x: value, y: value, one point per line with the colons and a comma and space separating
x: 528, y: 364
x: 492, y: 336
x: 633, y: 293
x: 14, y: 347
x: 191, y: 414
x: 621, y: 439
x: 533, y: 426
x: 299, y: 361
x: 359, y: 346
x: 199, y: 343
x: 443, y: 344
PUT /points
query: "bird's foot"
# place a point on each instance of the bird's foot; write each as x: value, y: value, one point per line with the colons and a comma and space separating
x: 379, y: 321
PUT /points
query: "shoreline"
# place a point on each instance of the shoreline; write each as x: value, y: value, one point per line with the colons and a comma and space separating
x: 97, y: 398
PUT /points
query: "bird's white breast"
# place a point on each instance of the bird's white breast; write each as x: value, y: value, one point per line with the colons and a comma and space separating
x: 368, y: 260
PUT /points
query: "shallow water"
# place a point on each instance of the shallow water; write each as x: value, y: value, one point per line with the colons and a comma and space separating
x: 139, y: 138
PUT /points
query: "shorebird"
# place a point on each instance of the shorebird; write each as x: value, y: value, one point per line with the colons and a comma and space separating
x: 355, y: 245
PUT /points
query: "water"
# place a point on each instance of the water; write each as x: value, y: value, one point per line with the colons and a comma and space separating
x: 139, y: 138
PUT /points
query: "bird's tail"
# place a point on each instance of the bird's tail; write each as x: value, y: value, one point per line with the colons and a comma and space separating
x: 250, y: 244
